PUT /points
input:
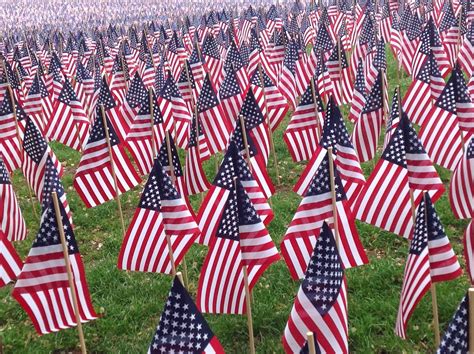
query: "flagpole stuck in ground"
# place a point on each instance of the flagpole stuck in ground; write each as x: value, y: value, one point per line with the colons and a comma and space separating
x: 72, y: 287
x: 333, y: 194
x: 434, y: 300
x: 244, y: 138
x: 270, y: 133
x: 112, y: 167
x: 311, y: 344
x: 471, y: 320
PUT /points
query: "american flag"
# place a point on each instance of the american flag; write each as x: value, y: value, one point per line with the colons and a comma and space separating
x: 315, y: 209
x: 287, y: 81
x: 84, y: 85
x: 304, y: 129
x: 441, y: 134
x: 37, y: 103
x: 242, y: 237
x: 456, y: 337
x: 368, y: 127
x: 216, y: 125
x: 93, y: 180
x: 359, y: 95
x: 394, y: 118
x: 10, y: 262
x: 364, y: 43
x: 464, y: 105
x: 430, y: 259
x: 321, y: 303
x: 466, y: 52
x: 231, y: 95
x: 423, y: 91
x: 119, y: 78
x: 404, y: 164
x: 461, y: 193
x: 468, y: 242
x: 450, y: 32
x: 69, y: 122
x: 42, y: 288
x: 411, y: 40
x: 386, y: 22
x: 162, y: 214
x: 235, y: 62
x: 195, y: 178
x: 212, y: 60
x: 182, y: 328
x: 9, y: 143
x: 340, y: 74
x: 141, y: 140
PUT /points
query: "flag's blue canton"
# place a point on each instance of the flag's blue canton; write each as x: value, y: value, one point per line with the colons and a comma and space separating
x: 367, y: 33
x: 434, y: 39
x: 210, y: 48
x: 4, y: 176
x: 98, y: 131
x: 160, y: 80
x: 359, y: 84
x: 323, y: 41
x: 447, y: 99
x: 395, y: 152
x: 34, y: 144
x: 307, y: 98
x: 227, y: 170
x: 470, y: 149
x: 145, y: 110
x: 229, y: 223
x: 245, y: 53
x: 163, y: 157
x: 320, y: 184
x: 380, y: 60
x: 54, y: 64
x: 11, y: 77
x: 137, y: 93
x: 105, y: 96
x: 193, y: 134
x: 470, y: 33
x: 194, y: 58
x: 394, y: 112
x: 251, y: 111
x: 254, y: 42
x: 229, y: 87
x: 335, y: 57
x: 413, y: 144
x: 375, y: 99
x: 324, y: 276
x: 20, y: 112
x: 150, y: 198
x: 293, y: 26
x: 462, y: 93
x: 291, y: 56
x: 238, y: 139
x: 247, y: 213
x: 456, y: 337
x: 208, y: 98
x: 435, y: 228
x: 6, y: 107
x: 187, y: 76
x: 334, y: 130
x: 242, y: 168
x: 48, y: 234
x: 182, y: 328
x: 67, y: 93
x: 449, y: 19
x: 38, y: 87
x: 414, y: 28
x: 82, y: 73
x: 256, y: 80
x: 233, y: 58
x: 420, y: 237
x: 51, y: 183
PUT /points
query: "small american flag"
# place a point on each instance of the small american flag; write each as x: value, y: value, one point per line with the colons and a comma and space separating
x: 461, y: 193
x: 359, y: 95
x: 9, y: 143
x: 10, y: 262
x: 231, y: 95
x: 468, y: 242
x: 161, y: 213
x: 42, y: 288
x: 466, y: 52
x: 242, y: 237
x: 212, y: 60
x: 287, y: 83
x: 182, y: 328
x: 321, y: 303
x: 456, y: 337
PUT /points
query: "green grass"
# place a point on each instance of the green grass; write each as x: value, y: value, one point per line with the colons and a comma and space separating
x: 131, y: 303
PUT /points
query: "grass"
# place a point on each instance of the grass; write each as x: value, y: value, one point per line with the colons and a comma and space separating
x: 131, y: 303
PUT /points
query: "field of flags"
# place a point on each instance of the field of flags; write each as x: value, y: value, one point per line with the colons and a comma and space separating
x: 293, y: 177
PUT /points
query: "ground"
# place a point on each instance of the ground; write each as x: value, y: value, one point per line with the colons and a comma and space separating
x: 131, y: 303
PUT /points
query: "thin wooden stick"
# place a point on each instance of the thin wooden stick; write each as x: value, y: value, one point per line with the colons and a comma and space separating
x: 333, y: 194
x: 248, y: 310
x: 311, y: 345
x: 316, y: 108
x: 112, y: 165
x: 18, y: 136
x: 244, y: 138
x: 471, y: 320
x: 180, y: 277
x: 270, y: 133
x: 434, y: 300
x: 69, y: 272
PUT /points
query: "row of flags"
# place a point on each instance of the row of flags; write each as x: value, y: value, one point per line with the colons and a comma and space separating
x: 128, y: 99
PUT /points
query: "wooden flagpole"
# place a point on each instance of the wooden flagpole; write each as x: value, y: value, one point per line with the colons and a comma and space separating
x: 244, y: 138
x: 316, y: 108
x: 173, y: 180
x: 333, y: 194
x: 270, y: 133
x: 69, y: 272
x: 311, y: 344
x: 112, y: 164
x: 434, y: 300
x: 248, y: 310
x: 18, y: 136
x: 471, y: 320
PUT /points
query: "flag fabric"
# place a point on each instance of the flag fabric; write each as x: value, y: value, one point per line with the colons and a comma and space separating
x: 287, y: 81
x: 394, y: 118
x: 182, y: 327
x: 430, y: 259
x: 37, y: 103
x: 456, y: 337
x: 468, y: 242
x: 241, y: 240
x: 466, y: 51
x: 231, y: 95
x: 10, y: 262
x: 385, y: 199
x: 69, y: 122
x: 162, y: 214
x: 321, y: 302
x: 94, y: 180
x: 42, y: 288
x: 315, y: 209
x: 9, y: 144
x: 461, y: 190
x: 359, y: 95
x: 11, y: 219
x: 212, y: 60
